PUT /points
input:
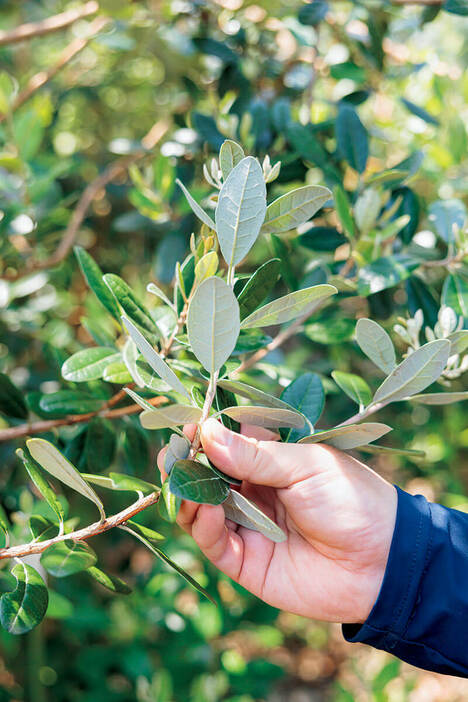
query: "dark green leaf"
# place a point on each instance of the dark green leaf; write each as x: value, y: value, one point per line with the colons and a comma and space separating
x: 322, y: 239
x: 132, y: 307
x: 222, y: 399
x: 136, y: 448
x: 306, y: 395
x: 93, y: 275
x: 351, y: 138
x: 23, y: 608
x: 455, y: 294
x: 67, y: 557
x: 101, y: 443
x: 258, y: 287
x: 343, y: 210
x: 59, y: 404
x: 41, y: 529
x: 419, y: 112
x: 11, y: 399
x: 420, y: 297
x: 194, y: 481
x: 456, y: 7
x: 409, y: 205
x: 385, y: 273
x: 313, y: 12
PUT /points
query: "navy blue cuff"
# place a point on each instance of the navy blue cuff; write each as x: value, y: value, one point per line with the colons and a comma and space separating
x: 387, y: 621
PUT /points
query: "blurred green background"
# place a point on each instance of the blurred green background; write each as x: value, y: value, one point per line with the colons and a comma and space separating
x: 269, y: 74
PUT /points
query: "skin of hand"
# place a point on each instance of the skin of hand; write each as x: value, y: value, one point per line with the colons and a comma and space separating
x: 338, y: 514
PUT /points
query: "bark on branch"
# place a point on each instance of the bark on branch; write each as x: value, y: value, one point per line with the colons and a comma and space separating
x: 47, y: 26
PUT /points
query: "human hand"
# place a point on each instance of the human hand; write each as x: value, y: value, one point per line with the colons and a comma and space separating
x: 338, y: 515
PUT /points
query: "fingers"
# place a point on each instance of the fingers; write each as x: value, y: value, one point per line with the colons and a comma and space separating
x: 258, y: 433
x: 220, y: 544
x: 261, y: 462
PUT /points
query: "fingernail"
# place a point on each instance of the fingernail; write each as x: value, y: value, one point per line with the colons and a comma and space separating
x: 217, y: 432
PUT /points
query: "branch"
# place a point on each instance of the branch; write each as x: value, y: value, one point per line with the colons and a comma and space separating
x: 362, y: 415
x: 70, y: 51
x: 47, y: 26
x: 110, y: 173
x: 48, y: 424
x: 86, y: 532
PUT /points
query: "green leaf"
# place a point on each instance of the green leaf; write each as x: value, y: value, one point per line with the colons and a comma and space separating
x: 93, y: 276
x: 224, y: 476
x: 230, y: 154
x: 146, y: 532
x: 351, y: 138
x: 376, y: 449
x: 24, y: 608
x: 458, y: 341
x: 131, y: 306
x: 322, y: 239
x: 168, y: 504
x: 455, y: 294
x: 177, y: 449
x: 41, y: 529
x: 154, y: 359
x: 155, y: 290
x: 253, y: 394
x: 385, y: 273
x: 206, y: 266
x: 242, y: 511
x: 440, y: 398
x: 59, y: 606
x: 11, y: 399
x: 136, y: 448
x: 213, y: 323
x: 295, y: 208
x: 241, y: 210
x: 349, y: 437
x: 110, y: 582
x: 419, y: 370
x: 355, y: 387
x: 117, y: 373
x: 447, y: 216
x: 58, y: 404
x: 374, y: 341
x: 120, y: 481
x: 88, y: 364
x: 187, y: 273
x: 129, y: 355
x: 101, y: 444
x: 289, y: 307
x: 195, y: 207
x: 270, y: 417
x: 160, y: 554
x: 194, y: 481
x: 137, y: 399
x: 258, y: 287
x: 456, y: 7
x: 170, y: 416
x: 306, y: 395
x: 41, y: 484
x: 57, y: 465
x: 67, y: 558
x: 420, y: 297
x: 419, y: 112
x: 343, y: 210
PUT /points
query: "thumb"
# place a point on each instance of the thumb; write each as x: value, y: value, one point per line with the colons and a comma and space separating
x: 260, y: 462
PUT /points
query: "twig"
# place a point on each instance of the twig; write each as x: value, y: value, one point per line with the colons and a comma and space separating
x: 70, y: 51
x: 362, y: 415
x: 209, y: 397
x: 110, y: 173
x: 48, y: 424
x: 47, y: 26
x: 86, y: 532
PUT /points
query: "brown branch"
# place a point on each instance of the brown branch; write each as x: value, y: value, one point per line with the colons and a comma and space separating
x: 47, y: 424
x: 40, y: 79
x: 86, y: 532
x: 110, y: 173
x: 47, y: 26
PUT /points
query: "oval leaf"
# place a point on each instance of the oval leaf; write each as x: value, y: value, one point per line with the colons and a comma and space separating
x: 194, y: 481
x: 440, y: 398
x: 67, y: 557
x: 355, y: 387
x: 376, y: 344
x: 269, y: 417
x: 42, y: 485
x: 253, y: 394
x: 295, y: 208
x: 240, y: 510
x: 57, y: 465
x: 258, y: 287
x: 306, y: 395
x: 230, y: 154
x: 59, y: 404
x: 213, y: 323
x: 23, y: 608
x: 154, y: 359
x: 93, y: 276
x: 350, y: 436
x: 170, y: 416
x: 289, y: 307
x: 351, y: 138
x: 195, y: 207
x: 241, y: 210
x: 88, y: 364
x: 416, y: 372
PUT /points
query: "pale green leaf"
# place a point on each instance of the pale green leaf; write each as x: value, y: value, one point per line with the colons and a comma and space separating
x: 170, y: 416
x: 120, y: 481
x: 295, y: 208
x: 376, y: 344
x: 289, y: 307
x: 240, y: 510
x: 355, y: 387
x: 178, y: 448
x: 458, y: 341
x: 230, y: 154
x: 41, y: 484
x: 349, y: 437
x: 25, y: 606
x: 154, y: 359
x: 213, y: 323
x: 57, y: 465
x: 270, y: 417
x: 195, y: 207
x: 88, y: 364
x: 241, y: 210
x: 440, y: 398
x: 419, y: 370
x: 155, y: 290
x: 253, y: 394
x: 129, y: 356
x: 168, y: 504
x: 206, y: 266
x: 138, y: 400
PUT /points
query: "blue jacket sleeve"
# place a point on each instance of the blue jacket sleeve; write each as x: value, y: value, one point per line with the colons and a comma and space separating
x: 421, y: 612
